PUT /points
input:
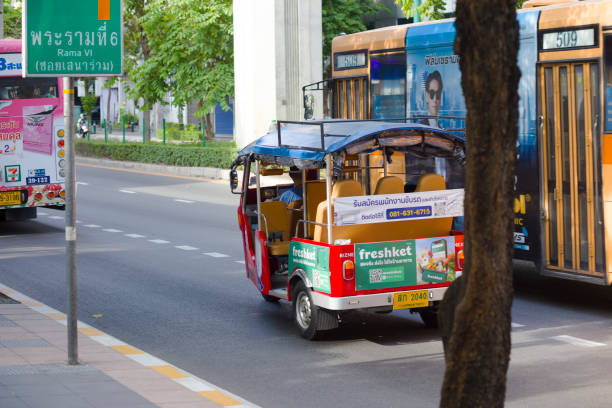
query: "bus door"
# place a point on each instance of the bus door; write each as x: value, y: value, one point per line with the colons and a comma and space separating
x: 569, y: 105
x: 351, y: 98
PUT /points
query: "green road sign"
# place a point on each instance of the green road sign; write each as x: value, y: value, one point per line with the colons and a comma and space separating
x: 72, y: 38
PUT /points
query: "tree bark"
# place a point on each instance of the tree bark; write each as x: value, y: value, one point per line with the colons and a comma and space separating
x: 478, y: 349
x: 210, y: 132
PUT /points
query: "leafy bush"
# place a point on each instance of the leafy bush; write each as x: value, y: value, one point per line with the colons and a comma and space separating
x: 219, y: 154
x: 178, y: 131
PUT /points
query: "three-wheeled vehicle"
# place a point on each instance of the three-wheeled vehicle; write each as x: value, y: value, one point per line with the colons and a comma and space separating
x: 373, y: 220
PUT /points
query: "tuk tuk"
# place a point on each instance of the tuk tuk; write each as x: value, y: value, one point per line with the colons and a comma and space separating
x: 374, y: 220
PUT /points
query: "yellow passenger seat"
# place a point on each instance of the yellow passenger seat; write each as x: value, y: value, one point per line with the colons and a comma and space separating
x: 389, y: 185
x: 315, y: 193
x: 274, y: 222
x: 342, y: 188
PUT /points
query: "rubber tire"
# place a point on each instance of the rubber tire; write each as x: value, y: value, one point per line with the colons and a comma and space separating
x: 301, y: 304
x: 429, y: 317
x: 271, y: 299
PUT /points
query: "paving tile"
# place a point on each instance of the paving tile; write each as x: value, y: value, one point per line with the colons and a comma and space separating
x: 16, y: 343
x: 25, y: 390
x: 57, y: 401
x: 5, y: 322
x: 119, y: 399
x: 41, y: 325
x: 13, y: 402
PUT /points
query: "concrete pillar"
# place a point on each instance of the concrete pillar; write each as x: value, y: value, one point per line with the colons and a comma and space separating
x: 277, y: 50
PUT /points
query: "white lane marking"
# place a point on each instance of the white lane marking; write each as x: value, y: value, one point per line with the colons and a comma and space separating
x: 186, y: 247
x: 42, y: 213
x: 111, y: 230
x: 134, y: 235
x: 93, y: 226
x: 193, y: 384
x: 147, y: 360
x: 240, y: 262
x: 56, y: 217
x: 8, y: 236
x: 517, y: 325
x: 178, y: 200
x: 215, y: 254
x: 159, y: 241
x: 127, y: 191
x: 578, y: 341
x: 82, y: 183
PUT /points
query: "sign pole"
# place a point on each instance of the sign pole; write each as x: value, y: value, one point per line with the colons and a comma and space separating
x: 71, y: 286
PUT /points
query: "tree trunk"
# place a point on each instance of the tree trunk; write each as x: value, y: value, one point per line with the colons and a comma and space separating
x: 478, y: 350
x: 146, y: 122
x: 210, y: 132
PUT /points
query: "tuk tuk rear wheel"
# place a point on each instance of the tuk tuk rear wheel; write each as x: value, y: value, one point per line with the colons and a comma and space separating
x: 305, y: 312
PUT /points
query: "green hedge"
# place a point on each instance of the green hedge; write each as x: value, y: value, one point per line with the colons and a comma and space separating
x: 217, y: 155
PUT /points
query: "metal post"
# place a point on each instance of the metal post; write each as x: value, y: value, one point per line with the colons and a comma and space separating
x: 203, y: 134
x: 105, y: 132
x: 94, y: 126
x: 88, y: 128
x: 70, y: 215
x: 123, y: 127
x: 143, y: 130
x: 417, y: 16
x: 164, y: 130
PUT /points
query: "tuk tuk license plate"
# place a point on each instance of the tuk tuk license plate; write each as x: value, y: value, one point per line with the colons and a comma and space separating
x: 412, y: 299
x: 10, y: 197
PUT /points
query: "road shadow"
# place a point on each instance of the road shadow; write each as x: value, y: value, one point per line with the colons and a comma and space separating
x: 26, y: 227
x: 587, y: 297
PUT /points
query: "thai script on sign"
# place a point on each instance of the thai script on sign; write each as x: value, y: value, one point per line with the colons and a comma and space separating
x: 10, y: 124
x: 69, y: 38
x: 74, y: 66
x: 13, y: 136
x: 444, y: 60
x: 397, y: 207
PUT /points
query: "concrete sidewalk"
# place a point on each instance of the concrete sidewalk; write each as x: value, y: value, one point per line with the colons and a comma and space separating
x: 111, y: 373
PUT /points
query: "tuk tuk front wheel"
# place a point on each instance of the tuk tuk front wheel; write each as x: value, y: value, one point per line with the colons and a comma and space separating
x: 305, y: 313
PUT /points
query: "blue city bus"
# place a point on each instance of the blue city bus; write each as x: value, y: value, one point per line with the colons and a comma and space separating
x: 563, y: 183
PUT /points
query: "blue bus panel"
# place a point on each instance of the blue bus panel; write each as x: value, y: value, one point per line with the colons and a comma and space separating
x: 433, y: 88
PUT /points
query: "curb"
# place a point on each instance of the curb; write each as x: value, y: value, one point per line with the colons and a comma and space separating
x: 191, y: 382
x: 201, y: 172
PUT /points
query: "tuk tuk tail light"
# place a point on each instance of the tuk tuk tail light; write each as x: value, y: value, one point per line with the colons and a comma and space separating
x: 38, y: 196
x: 50, y: 195
x: 348, y: 270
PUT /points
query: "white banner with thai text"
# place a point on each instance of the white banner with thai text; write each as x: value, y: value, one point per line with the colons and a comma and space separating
x: 398, y: 207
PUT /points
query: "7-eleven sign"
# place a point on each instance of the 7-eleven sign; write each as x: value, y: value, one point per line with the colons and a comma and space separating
x: 12, y: 174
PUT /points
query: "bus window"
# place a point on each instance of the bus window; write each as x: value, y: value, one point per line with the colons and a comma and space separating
x: 388, y: 85
x: 28, y: 88
x: 608, y: 80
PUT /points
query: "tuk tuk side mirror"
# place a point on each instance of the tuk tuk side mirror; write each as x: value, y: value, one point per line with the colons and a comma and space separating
x: 233, y: 180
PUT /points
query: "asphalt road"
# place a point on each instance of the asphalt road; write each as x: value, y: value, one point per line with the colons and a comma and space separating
x: 159, y: 258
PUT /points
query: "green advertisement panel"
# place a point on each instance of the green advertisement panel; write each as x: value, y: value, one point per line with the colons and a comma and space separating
x: 314, y: 260
x: 404, y: 263
x: 385, y: 265
x: 72, y: 38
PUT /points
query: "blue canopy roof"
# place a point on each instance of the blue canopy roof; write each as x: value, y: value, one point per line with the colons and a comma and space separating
x: 304, y: 141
